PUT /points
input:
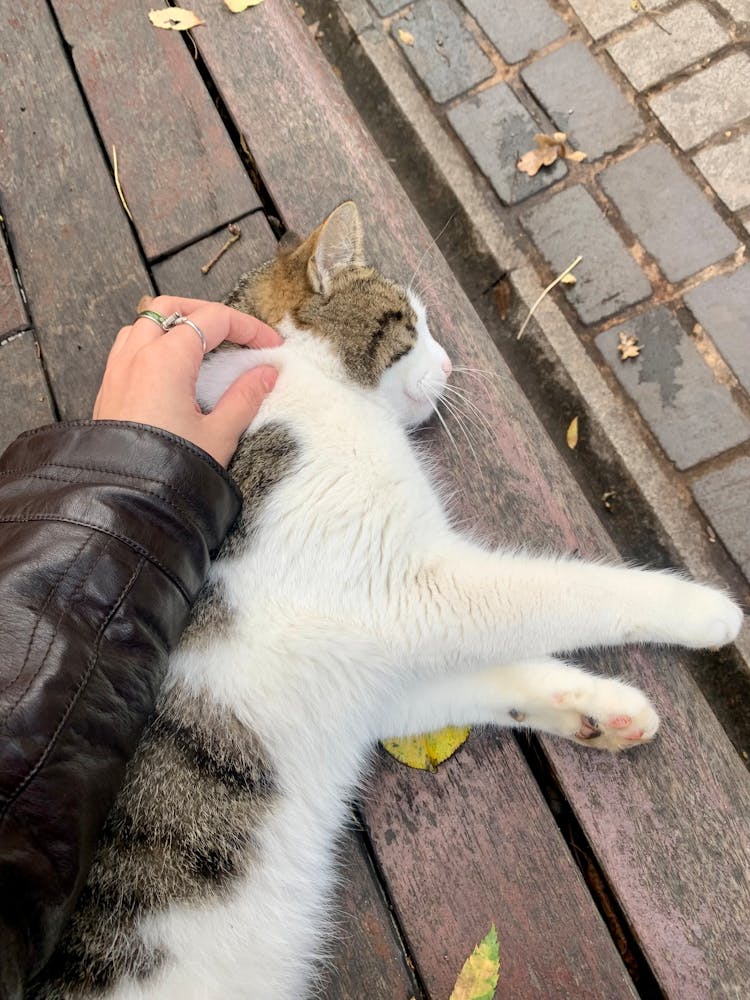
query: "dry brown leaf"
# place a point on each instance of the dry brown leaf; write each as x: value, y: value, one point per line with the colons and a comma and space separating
x: 406, y: 36
x: 549, y: 149
x: 571, y: 435
x: 237, y: 6
x: 629, y: 346
x: 174, y: 18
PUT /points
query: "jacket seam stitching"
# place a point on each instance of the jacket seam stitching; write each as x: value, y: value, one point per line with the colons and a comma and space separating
x: 78, y: 691
x: 25, y: 470
x: 181, y: 515
x: 79, y: 586
x: 135, y: 546
x: 61, y: 577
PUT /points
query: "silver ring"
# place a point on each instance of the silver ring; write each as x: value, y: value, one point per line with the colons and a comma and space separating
x: 176, y: 318
x: 189, y: 322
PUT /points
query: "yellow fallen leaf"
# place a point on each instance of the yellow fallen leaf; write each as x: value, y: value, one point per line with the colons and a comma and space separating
x: 571, y: 435
x: 174, y: 18
x: 478, y: 978
x: 406, y: 36
x: 427, y: 750
x: 236, y: 6
x: 576, y: 155
x: 568, y: 279
x: 628, y: 346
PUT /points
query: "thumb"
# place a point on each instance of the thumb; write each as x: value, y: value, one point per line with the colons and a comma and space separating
x: 238, y: 406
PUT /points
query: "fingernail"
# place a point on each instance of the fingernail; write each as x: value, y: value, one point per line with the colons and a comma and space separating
x: 269, y: 378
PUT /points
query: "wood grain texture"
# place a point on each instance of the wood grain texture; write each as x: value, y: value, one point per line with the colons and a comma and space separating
x: 668, y: 823
x: 12, y: 310
x: 180, y: 174
x: 366, y: 957
x: 24, y: 401
x: 74, y: 247
x: 472, y: 845
x: 181, y: 274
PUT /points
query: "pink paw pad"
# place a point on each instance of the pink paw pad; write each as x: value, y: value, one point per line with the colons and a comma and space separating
x: 619, y: 722
x: 636, y: 736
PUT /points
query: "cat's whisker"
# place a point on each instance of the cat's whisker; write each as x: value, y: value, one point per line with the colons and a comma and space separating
x: 454, y: 404
x: 461, y: 394
x: 439, y: 415
x: 450, y: 405
x: 480, y: 374
x: 432, y: 244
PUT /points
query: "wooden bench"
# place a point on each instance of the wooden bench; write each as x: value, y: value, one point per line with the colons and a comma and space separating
x: 606, y: 877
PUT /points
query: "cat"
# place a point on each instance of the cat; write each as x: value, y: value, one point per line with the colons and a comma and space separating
x: 343, y: 608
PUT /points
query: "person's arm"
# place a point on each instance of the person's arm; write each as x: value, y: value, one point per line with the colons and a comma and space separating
x: 106, y: 532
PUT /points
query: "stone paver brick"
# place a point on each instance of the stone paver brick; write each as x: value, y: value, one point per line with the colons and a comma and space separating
x: 722, y: 307
x: 655, y: 50
x: 517, y: 28
x: 707, y: 102
x: 603, y: 16
x: 582, y: 100
x: 693, y: 416
x: 727, y: 170
x: 668, y: 212
x: 496, y: 129
x: 386, y: 7
x: 724, y: 497
x: 739, y: 9
x: 12, y: 312
x: 445, y: 55
x: 607, y: 279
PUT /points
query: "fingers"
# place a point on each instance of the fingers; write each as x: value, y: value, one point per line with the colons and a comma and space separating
x: 238, y: 406
x: 217, y: 322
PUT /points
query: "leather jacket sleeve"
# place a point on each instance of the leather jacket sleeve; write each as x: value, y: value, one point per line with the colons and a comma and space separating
x: 106, y: 533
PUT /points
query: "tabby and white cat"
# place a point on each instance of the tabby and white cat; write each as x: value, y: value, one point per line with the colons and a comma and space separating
x: 344, y: 608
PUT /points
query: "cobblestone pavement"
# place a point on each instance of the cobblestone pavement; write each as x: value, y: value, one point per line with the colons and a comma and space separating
x: 658, y: 97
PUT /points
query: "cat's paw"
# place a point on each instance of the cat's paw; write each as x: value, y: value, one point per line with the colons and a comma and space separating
x: 701, y: 617
x: 608, y: 715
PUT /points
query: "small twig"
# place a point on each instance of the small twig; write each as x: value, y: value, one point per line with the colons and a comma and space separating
x: 117, y: 183
x: 236, y: 233
x: 548, y: 289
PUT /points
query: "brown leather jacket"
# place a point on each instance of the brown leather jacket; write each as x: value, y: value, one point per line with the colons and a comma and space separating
x: 106, y: 532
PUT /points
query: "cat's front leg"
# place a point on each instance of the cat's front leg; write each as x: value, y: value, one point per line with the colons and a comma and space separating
x: 544, y: 695
x: 473, y: 607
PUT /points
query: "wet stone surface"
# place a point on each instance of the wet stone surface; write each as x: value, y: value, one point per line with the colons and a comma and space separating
x: 693, y: 416
x: 444, y: 54
x: 607, y: 279
x: 497, y: 130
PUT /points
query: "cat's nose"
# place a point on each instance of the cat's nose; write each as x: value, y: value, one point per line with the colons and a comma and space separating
x: 446, y: 365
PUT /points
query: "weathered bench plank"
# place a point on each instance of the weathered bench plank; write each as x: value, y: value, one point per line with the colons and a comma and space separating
x: 12, y: 311
x: 686, y: 796
x: 24, y: 401
x: 79, y: 263
x: 181, y: 273
x: 180, y: 174
x: 365, y: 953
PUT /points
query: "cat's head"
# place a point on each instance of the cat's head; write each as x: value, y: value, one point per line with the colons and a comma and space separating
x: 375, y: 328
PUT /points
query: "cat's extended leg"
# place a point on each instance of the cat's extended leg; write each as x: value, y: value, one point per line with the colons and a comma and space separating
x: 468, y: 608
x: 546, y: 695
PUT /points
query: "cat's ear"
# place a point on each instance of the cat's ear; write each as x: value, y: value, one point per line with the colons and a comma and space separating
x: 337, y: 244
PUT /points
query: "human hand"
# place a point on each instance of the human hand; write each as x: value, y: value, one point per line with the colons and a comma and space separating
x: 151, y: 375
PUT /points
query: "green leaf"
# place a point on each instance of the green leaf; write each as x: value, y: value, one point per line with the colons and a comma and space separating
x: 478, y: 978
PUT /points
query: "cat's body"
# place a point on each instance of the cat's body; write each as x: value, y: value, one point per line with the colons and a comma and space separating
x: 344, y: 609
